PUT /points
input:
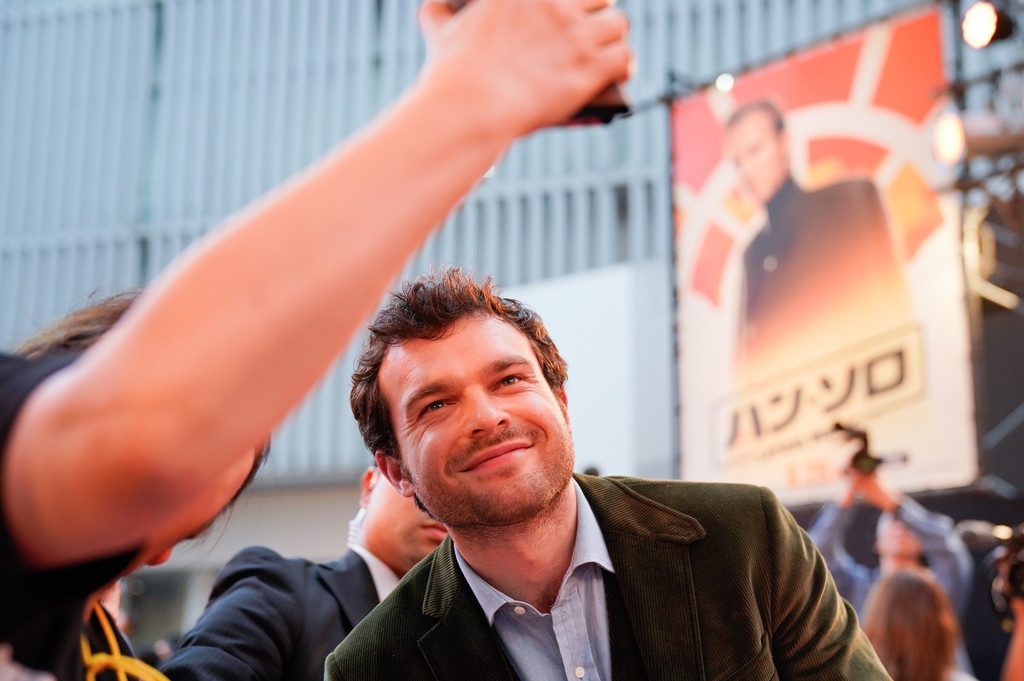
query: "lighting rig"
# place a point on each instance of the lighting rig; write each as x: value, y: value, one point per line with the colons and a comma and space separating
x: 984, y: 140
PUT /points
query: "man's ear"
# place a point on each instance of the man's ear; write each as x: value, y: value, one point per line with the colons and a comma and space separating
x: 160, y: 558
x: 391, y: 469
x: 563, y: 399
x: 366, y: 483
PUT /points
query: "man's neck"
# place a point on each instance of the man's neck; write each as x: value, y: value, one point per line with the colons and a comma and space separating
x: 527, y: 561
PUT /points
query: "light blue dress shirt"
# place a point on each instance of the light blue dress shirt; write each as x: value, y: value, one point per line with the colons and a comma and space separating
x: 571, y: 642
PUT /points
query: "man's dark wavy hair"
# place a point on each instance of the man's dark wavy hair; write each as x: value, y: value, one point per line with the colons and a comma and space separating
x: 426, y: 308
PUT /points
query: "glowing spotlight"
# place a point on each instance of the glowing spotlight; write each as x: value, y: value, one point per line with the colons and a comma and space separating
x: 975, y: 134
x: 983, y: 24
x: 948, y: 139
x: 725, y: 82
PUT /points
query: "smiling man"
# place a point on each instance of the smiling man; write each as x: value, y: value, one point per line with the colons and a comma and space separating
x: 460, y: 394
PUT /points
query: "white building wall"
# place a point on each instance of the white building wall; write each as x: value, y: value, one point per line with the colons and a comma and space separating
x: 613, y: 326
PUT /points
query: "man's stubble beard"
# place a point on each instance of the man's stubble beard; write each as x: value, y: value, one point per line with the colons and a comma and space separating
x: 526, y: 498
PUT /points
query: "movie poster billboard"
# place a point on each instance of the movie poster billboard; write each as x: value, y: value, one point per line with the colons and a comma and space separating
x: 820, y: 278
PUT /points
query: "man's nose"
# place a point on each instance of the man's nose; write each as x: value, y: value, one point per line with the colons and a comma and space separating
x: 485, y: 412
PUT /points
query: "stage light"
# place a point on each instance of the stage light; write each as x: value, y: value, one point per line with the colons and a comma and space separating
x: 949, y: 139
x: 981, y: 258
x: 975, y: 134
x: 725, y: 82
x: 984, y: 24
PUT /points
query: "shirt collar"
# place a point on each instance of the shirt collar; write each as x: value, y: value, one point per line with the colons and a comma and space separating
x: 384, y: 579
x: 590, y: 547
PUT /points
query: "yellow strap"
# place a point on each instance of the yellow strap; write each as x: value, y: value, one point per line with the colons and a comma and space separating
x: 124, y: 666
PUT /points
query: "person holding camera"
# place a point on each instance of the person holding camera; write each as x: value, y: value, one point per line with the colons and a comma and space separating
x: 907, y: 535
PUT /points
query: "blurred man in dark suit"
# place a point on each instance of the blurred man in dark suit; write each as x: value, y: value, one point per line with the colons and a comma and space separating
x: 275, y: 619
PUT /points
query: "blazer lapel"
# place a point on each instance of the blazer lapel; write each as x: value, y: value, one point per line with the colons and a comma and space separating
x: 349, y: 581
x: 649, y: 548
x: 462, y: 645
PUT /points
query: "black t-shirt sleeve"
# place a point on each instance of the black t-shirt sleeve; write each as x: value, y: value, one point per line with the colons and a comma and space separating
x: 42, y: 608
x: 18, y: 378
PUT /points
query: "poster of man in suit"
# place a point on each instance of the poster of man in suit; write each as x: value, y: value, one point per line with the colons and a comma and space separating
x: 819, y: 269
x: 818, y: 253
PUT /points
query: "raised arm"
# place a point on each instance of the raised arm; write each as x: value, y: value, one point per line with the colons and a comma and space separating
x: 139, y: 438
x: 943, y: 548
x: 828, y: 530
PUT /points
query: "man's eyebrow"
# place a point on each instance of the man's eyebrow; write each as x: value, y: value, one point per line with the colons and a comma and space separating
x: 426, y: 391
x: 442, y: 386
x: 507, y: 362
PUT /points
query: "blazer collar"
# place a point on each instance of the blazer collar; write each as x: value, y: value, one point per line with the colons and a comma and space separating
x: 349, y: 581
x: 650, y: 548
x: 648, y: 543
x: 620, y: 508
x: 462, y: 644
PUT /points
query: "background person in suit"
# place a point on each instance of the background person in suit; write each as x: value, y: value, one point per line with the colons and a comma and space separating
x: 822, y: 270
x: 460, y: 395
x: 275, y: 619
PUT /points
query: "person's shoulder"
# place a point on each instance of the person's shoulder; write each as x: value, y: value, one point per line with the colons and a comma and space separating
x: 700, y: 499
x: 19, y: 377
x: 17, y: 367
x: 263, y: 565
x: 260, y: 555
x: 720, y: 514
x: 655, y: 487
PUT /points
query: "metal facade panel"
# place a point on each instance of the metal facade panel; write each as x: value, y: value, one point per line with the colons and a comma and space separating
x: 73, y: 97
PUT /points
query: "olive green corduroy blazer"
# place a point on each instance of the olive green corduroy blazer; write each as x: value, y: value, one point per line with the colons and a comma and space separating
x: 719, y: 582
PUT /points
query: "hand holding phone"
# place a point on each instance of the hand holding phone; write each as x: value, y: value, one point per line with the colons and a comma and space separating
x: 607, y: 105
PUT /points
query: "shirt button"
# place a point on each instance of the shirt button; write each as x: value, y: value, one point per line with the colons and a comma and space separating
x: 520, y: 610
x: 579, y: 672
